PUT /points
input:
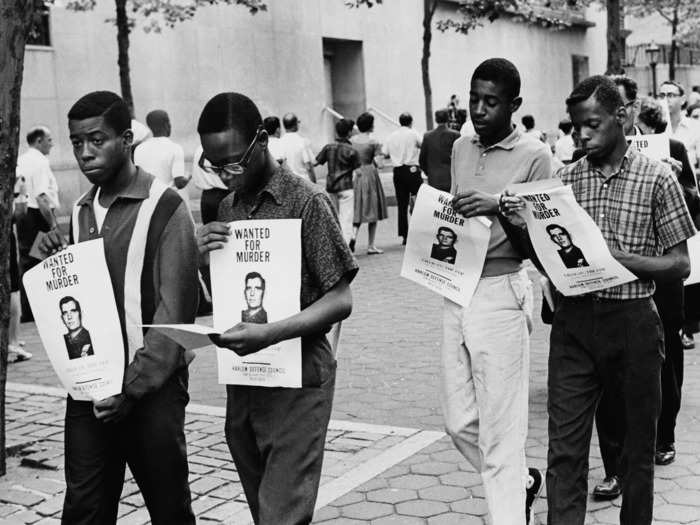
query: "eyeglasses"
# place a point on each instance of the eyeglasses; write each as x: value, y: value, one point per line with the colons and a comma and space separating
x: 232, y: 169
x: 668, y: 95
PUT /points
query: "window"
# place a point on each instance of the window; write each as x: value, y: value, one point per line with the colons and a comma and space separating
x: 39, y: 30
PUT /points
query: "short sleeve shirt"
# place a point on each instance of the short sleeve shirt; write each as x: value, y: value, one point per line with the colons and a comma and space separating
x: 342, y: 159
x: 326, y: 257
x: 639, y: 209
x: 34, y: 167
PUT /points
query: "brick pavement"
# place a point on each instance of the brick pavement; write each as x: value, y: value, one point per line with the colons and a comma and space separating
x: 388, y: 375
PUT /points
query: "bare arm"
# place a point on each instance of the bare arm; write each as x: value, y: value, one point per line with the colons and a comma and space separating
x: 672, y: 265
x: 46, y: 210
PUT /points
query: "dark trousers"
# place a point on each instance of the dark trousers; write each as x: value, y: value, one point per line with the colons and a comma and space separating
x: 596, y: 346
x: 276, y: 437
x: 27, y: 229
x: 610, y: 424
x: 151, y: 440
x: 407, y: 181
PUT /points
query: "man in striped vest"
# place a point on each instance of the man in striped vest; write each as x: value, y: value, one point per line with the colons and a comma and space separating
x: 151, y: 256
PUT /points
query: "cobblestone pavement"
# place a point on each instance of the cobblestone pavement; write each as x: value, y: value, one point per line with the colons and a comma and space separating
x: 388, y: 375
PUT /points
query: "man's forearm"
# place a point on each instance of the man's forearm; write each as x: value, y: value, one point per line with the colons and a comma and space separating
x: 667, y: 267
x: 46, y: 211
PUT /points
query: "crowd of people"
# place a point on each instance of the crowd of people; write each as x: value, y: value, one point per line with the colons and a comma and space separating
x: 615, y: 357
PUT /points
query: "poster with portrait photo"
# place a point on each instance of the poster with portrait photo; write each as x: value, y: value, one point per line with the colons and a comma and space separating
x: 567, y: 241
x: 444, y: 251
x: 76, y: 315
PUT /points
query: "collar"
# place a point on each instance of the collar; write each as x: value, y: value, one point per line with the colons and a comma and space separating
x: 343, y: 140
x: 138, y: 189
x: 628, y: 157
x: 276, y: 185
x: 508, y: 143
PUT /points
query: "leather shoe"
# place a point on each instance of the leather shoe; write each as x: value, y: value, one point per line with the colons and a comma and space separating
x: 609, y: 488
x: 665, y: 454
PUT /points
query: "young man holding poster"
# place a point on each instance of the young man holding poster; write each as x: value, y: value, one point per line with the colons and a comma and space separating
x: 612, y: 340
x: 276, y: 435
x: 487, y: 343
x: 151, y: 255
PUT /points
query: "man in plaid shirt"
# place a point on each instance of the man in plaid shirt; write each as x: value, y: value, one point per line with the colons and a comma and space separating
x: 613, y: 339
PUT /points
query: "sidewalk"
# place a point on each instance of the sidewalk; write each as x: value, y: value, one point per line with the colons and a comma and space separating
x: 401, y: 470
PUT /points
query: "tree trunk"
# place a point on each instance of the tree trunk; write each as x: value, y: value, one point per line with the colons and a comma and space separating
x: 15, y: 16
x: 429, y: 7
x: 123, y: 47
x: 614, y: 31
x: 674, y: 47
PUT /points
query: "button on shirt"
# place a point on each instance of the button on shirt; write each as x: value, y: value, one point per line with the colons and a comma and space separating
x: 403, y: 146
x: 325, y: 257
x: 639, y: 209
x: 491, y: 169
x: 34, y: 166
x: 162, y: 158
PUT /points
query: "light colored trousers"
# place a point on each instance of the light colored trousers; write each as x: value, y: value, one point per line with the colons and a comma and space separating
x: 344, y: 202
x: 485, y: 369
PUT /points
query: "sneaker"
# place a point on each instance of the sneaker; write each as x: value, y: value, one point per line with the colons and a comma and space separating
x: 665, y: 454
x: 687, y: 341
x: 373, y: 250
x: 609, y: 488
x: 532, y: 491
x: 17, y: 353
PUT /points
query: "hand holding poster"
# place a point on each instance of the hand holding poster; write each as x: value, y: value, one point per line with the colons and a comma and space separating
x: 656, y: 147
x: 72, y: 299
x: 567, y: 241
x: 444, y: 251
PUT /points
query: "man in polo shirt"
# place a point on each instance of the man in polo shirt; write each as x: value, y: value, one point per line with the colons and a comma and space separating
x: 276, y: 435
x: 487, y: 343
x: 149, y: 247
x: 612, y: 340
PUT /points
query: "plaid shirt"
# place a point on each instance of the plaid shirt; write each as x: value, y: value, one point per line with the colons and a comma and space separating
x: 640, y: 209
x: 342, y: 161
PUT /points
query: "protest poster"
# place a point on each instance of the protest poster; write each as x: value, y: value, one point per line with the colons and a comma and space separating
x: 445, y: 252
x: 256, y: 278
x: 73, y: 303
x: 567, y: 241
x: 656, y: 147
x: 694, y: 256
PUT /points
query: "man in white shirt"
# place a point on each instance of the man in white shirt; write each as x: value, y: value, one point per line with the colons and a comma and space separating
x: 564, y: 146
x: 403, y: 147
x: 296, y: 149
x: 274, y: 131
x: 681, y: 127
x: 159, y: 155
x: 41, y: 197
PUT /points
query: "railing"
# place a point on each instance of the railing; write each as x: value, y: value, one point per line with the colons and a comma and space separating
x: 332, y: 112
x: 385, y: 116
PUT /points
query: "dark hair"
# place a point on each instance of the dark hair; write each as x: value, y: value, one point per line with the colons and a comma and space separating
x: 501, y: 72
x: 441, y: 116
x: 565, y: 126
x: 692, y: 108
x: 290, y: 121
x: 405, y: 119
x: 157, y: 120
x: 445, y: 228
x: 110, y: 106
x: 36, y: 133
x: 343, y: 127
x: 230, y: 111
x: 679, y: 87
x: 68, y: 299
x: 365, y: 122
x: 628, y: 84
x: 652, y: 115
x: 600, y: 86
x: 271, y: 125
x: 254, y: 275
x: 551, y: 227
x: 528, y: 121
x: 461, y: 116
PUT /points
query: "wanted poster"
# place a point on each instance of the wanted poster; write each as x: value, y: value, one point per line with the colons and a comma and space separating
x: 444, y: 251
x: 567, y: 241
x: 656, y: 147
x: 71, y: 296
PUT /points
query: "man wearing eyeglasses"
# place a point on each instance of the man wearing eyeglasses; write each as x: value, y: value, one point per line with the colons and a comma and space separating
x: 681, y: 127
x: 276, y: 435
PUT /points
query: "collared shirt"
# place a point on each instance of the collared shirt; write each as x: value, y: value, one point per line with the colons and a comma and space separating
x: 639, y: 209
x: 325, y: 256
x: 403, y: 146
x: 564, y: 148
x: 491, y: 169
x: 275, y: 147
x: 688, y: 132
x: 161, y: 157
x: 203, y: 179
x: 34, y: 166
x: 342, y: 159
x: 297, y: 153
x: 169, y: 258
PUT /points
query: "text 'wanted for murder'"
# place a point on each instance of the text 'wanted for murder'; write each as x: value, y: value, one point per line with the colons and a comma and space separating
x: 252, y: 238
x: 60, y: 278
x: 539, y: 208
